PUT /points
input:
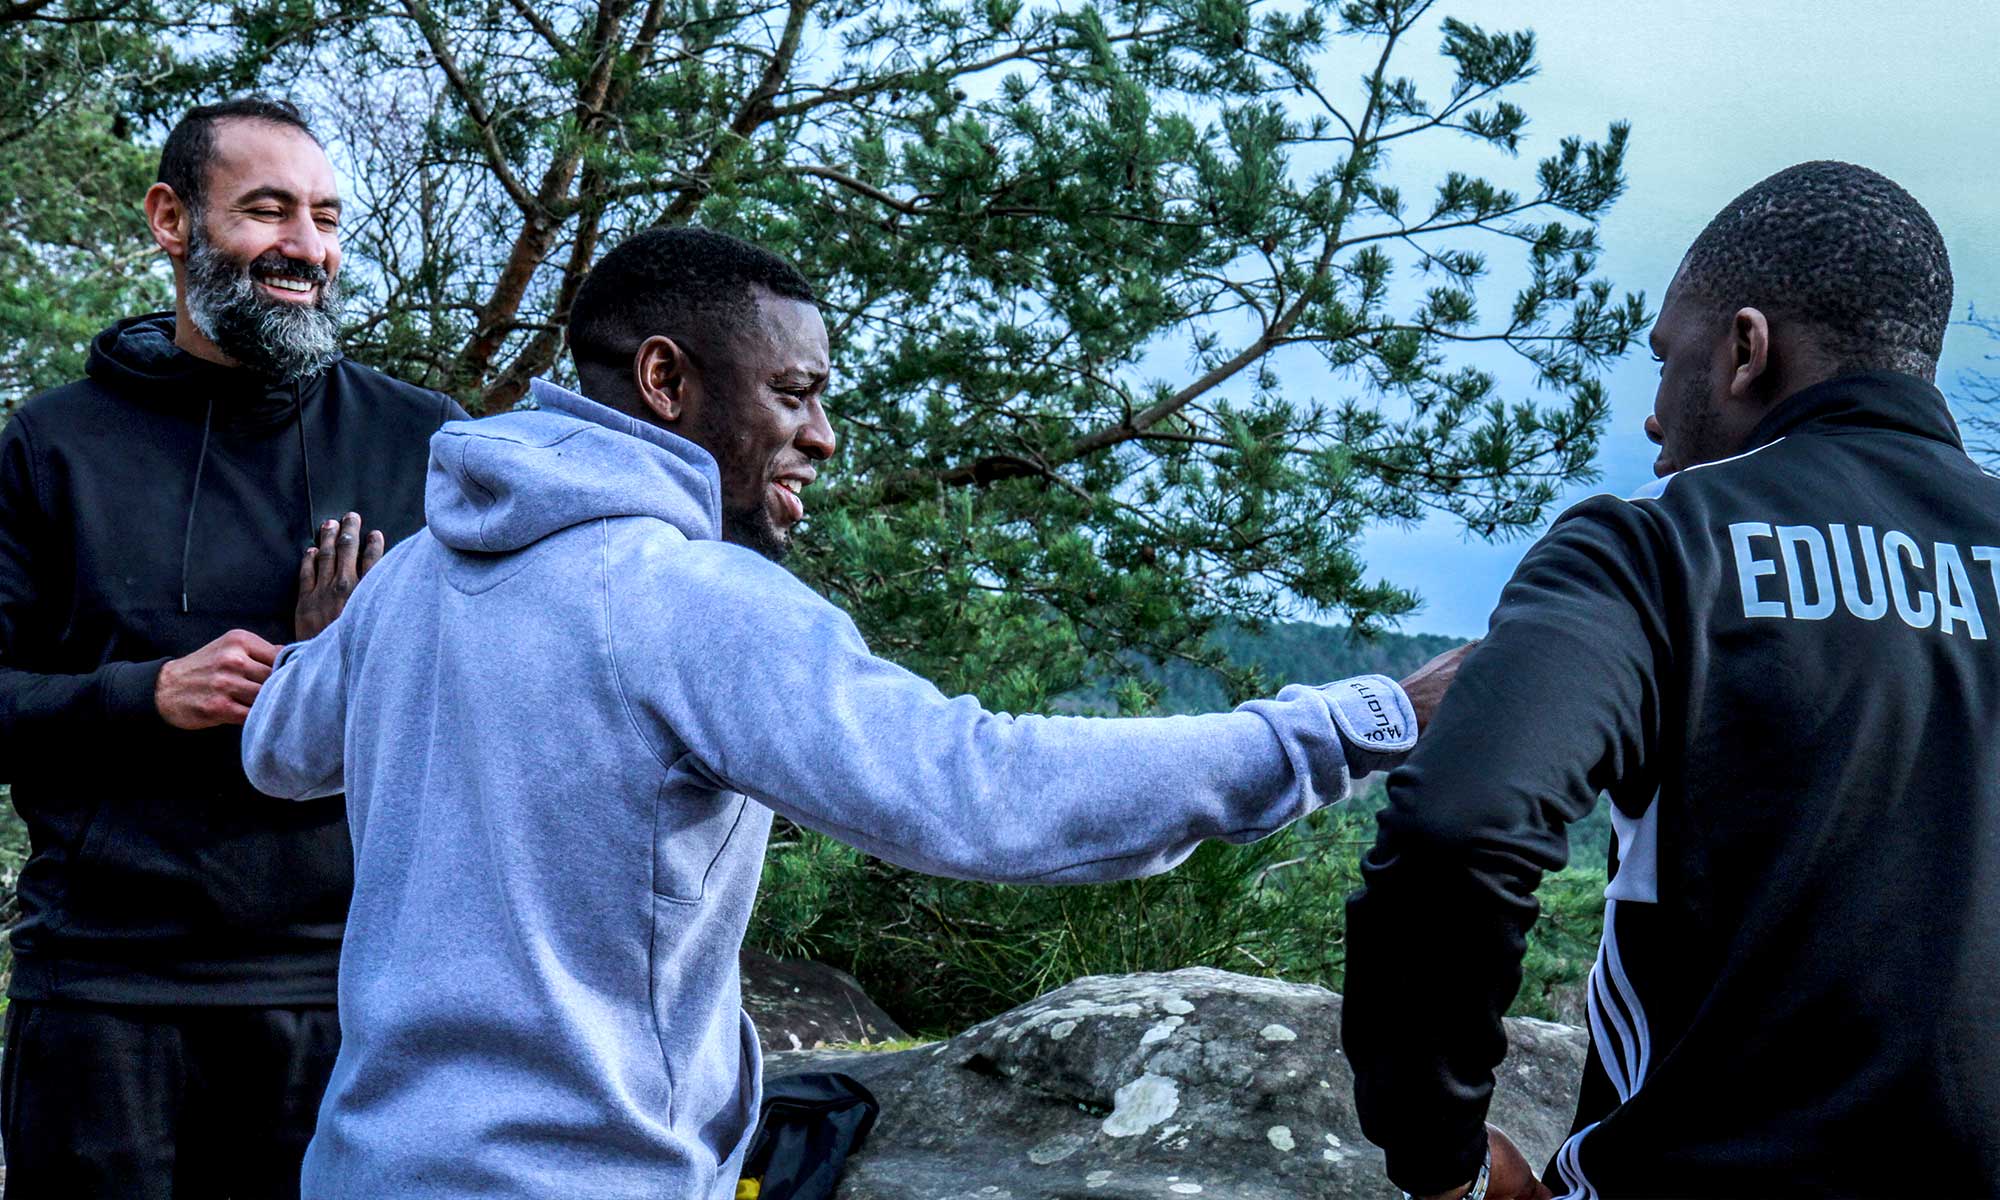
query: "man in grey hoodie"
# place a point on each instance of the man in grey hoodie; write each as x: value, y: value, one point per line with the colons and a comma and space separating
x: 564, y: 715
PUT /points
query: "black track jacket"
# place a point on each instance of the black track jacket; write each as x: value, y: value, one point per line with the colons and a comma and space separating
x: 157, y: 875
x: 1784, y: 668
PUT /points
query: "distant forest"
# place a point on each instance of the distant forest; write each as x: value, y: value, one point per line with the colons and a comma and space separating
x: 1296, y: 652
x: 1305, y: 652
x: 1281, y: 652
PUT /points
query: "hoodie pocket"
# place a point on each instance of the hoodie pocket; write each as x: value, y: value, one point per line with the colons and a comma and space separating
x: 691, y: 831
x: 208, y: 865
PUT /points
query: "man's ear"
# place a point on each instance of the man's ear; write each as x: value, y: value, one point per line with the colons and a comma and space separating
x: 1750, y: 352
x: 169, y: 219
x: 664, y: 379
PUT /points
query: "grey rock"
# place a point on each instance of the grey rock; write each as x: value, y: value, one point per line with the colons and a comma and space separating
x: 1571, y: 1003
x: 1192, y: 1083
x: 802, y: 1005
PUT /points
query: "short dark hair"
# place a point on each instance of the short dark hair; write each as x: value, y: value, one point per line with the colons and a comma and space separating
x: 190, y: 145
x: 1840, y: 248
x: 684, y: 282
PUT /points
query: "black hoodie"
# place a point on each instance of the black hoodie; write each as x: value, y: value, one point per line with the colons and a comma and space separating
x: 1782, y: 668
x: 144, y: 512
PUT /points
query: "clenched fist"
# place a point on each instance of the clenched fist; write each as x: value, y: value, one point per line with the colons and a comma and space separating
x: 216, y: 684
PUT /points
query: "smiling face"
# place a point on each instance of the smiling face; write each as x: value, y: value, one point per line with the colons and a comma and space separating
x: 257, y: 265
x: 757, y: 409
x: 272, y: 199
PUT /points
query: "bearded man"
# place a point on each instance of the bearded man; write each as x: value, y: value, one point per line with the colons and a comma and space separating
x: 172, y: 1025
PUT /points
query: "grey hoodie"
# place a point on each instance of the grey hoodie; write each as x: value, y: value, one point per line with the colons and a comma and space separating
x: 563, y: 718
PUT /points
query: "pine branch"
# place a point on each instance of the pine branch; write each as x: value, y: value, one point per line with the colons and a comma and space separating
x: 475, y: 107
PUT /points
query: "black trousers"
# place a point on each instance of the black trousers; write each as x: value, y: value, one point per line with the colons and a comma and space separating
x: 135, y: 1103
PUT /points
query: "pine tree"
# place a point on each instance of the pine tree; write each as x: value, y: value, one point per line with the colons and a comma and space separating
x: 1138, y: 325
x: 74, y: 252
x: 1139, y: 321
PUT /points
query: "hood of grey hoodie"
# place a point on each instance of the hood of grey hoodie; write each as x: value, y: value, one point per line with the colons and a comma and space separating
x: 506, y: 482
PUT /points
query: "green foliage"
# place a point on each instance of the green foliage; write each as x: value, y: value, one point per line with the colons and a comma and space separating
x: 1138, y: 323
x: 1563, y: 945
x: 1590, y: 839
x: 941, y: 954
x: 1138, y: 326
x: 74, y: 251
x: 13, y: 854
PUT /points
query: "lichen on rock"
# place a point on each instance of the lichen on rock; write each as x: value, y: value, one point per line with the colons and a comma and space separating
x: 1156, y: 1084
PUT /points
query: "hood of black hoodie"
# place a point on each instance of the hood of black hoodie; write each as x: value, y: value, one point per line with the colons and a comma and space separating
x: 138, y: 358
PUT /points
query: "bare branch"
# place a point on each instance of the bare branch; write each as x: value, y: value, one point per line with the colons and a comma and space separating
x: 542, y: 28
x: 855, y: 185
x: 755, y: 110
x: 1351, y: 175
x: 475, y: 106
x: 902, y: 79
x: 25, y: 10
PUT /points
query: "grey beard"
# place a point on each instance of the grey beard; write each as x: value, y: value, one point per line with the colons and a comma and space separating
x: 284, y: 341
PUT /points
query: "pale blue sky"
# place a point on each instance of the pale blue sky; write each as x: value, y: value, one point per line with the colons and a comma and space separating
x: 1721, y: 94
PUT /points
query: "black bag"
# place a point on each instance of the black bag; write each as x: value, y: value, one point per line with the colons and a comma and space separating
x: 807, y: 1127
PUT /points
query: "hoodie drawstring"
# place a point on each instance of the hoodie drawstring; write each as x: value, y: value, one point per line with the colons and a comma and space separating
x: 194, y: 498
x: 305, y: 462
x: 201, y: 461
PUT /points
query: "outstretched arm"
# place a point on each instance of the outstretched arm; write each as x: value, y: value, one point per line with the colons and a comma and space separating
x: 730, y: 660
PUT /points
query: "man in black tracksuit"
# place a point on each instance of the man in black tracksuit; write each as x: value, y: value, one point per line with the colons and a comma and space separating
x: 171, y: 1024
x: 1781, y: 665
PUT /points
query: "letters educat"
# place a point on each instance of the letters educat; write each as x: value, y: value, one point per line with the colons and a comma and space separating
x: 1810, y: 572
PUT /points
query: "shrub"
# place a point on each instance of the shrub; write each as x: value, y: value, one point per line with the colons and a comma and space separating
x: 13, y: 853
x: 942, y: 954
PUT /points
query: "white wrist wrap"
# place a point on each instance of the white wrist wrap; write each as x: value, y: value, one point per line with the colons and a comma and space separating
x: 1373, y: 713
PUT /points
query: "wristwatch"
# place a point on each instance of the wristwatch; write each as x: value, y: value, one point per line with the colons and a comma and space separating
x: 1479, y: 1181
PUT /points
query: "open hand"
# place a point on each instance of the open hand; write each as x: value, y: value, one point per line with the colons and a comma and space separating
x: 214, y: 685
x: 1427, y: 685
x: 331, y: 570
